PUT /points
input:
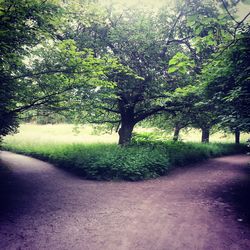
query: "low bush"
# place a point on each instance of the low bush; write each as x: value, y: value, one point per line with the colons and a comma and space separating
x: 138, y: 161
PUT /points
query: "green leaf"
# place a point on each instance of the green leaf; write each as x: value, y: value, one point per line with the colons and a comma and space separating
x: 173, y: 61
x: 172, y: 70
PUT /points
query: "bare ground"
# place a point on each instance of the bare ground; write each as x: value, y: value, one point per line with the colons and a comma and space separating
x: 205, y: 207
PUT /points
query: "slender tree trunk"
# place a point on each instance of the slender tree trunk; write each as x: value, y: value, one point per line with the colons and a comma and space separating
x: 176, y: 133
x: 205, y: 135
x: 237, y: 136
x: 125, y: 133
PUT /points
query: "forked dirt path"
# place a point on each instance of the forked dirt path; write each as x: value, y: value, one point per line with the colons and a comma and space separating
x: 203, y: 207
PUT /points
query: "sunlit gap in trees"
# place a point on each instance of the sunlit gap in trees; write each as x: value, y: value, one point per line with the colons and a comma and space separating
x: 241, y: 10
x: 153, y: 4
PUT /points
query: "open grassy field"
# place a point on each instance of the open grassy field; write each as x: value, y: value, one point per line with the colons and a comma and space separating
x: 98, y: 157
x: 67, y: 133
x: 59, y: 133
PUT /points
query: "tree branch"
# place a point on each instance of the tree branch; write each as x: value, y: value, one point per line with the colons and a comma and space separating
x: 105, y: 121
x: 164, y: 50
x: 234, y: 40
x: 44, y: 73
x: 109, y: 109
x: 228, y: 12
x: 143, y: 115
x: 243, y: 20
x: 39, y: 101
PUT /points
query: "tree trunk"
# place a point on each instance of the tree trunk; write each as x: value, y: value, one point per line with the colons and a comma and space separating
x: 205, y: 135
x: 176, y: 133
x: 237, y: 136
x: 125, y: 133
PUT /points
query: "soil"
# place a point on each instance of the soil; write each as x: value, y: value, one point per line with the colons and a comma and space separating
x: 205, y: 206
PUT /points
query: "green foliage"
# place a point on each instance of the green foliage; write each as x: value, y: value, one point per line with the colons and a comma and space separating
x: 181, y: 63
x: 137, y: 38
x: 135, y: 162
x: 149, y: 138
x: 23, y: 23
x: 105, y: 65
x: 37, y: 70
x: 227, y: 83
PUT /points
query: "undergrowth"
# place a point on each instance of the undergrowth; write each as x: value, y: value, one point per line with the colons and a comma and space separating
x: 143, y: 159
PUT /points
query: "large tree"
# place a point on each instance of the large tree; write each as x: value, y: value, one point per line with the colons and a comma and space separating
x: 38, y: 70
x: 136, y: 39
x: 155, y: 48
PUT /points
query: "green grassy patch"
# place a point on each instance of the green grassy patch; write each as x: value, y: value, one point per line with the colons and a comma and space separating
x: 142, y: 160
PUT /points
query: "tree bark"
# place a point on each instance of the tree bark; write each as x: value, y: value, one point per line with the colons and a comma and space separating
x: 125, y: 133
x: 237, y: 136
x: 176, y: 133
x: 205, y: 135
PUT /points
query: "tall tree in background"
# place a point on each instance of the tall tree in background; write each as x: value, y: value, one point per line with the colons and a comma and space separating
x: 212, y: 33
x: 229, y: 85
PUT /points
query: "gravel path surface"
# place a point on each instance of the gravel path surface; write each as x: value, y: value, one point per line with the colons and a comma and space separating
x: 205, y: 207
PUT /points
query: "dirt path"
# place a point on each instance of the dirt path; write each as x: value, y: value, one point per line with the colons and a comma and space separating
x: 203, y: 207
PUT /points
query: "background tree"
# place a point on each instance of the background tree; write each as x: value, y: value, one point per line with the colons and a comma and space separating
x: 227, y: 79
x: 208, y: 34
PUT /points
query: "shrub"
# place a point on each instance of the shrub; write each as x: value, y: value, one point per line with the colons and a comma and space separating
x: 138, y: 161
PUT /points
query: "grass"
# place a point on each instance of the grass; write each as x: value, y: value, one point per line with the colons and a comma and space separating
x: 99, y: 158
x: 68, y: 134
x: 59, y: 133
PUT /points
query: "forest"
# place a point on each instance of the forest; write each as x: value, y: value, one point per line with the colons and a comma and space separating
x: 119, y: 65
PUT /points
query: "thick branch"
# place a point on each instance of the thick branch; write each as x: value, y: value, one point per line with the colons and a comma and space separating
x: 105, y: 121
x: 143, y: 115
x: 39, y: 101
x: 109, y: 109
